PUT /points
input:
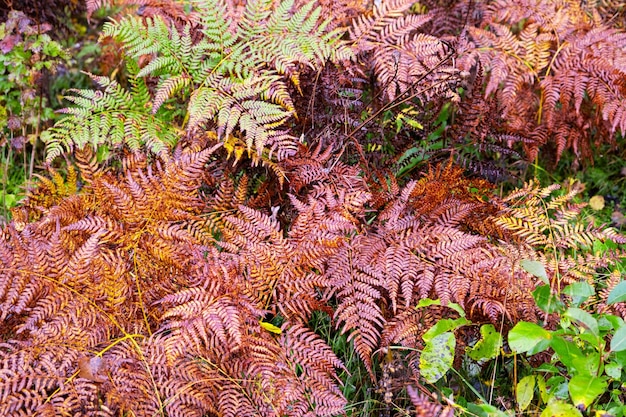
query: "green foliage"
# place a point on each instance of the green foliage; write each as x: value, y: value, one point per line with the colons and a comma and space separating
x: 489, y: 345
x: 13, y: 177
x: 421, y: 152
x: 230, y: 72
x: 27, y: 53
x: 112, y: 117
x: 586, y: 366
x: 27, y: 56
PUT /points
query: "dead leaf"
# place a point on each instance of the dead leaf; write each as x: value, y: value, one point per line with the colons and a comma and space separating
x: 92, y: 369
x: 596, y: 202
x: 618, y: 218
x: 7, y: 44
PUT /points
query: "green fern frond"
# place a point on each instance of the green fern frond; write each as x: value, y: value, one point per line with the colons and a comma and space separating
x: 231, y: 71
x: 113, y: 117
x: 238, y: 107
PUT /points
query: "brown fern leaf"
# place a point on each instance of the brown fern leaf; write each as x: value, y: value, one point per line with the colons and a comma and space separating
x: 616, y: 308
x: 62, y: 286
x: 406, y: 329
x: 305, y: 349
x: 449, y: 17
x: 401, y: 57
x: 50, y: 191
x: 314, y: 174
x: 608, y: 11
x: 552, y: 74
x: 425, y: 407
x: 134, y: 298
x: 358, y: 288
x: 281, y: 269
x: 87, y: 163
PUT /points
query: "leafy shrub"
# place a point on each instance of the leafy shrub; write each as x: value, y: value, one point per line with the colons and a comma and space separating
x: 28, y: 56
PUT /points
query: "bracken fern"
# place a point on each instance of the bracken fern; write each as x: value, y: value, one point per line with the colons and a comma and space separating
x: 231, y: 71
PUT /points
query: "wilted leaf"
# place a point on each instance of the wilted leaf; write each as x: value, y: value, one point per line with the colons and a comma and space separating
x: 437, y: 357
x: 92, y: 369
x: 596, y: 202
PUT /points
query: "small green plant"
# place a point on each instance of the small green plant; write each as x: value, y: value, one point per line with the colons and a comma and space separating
x: 424, y: 148
x: 588, y: 354
x: 27, y: 56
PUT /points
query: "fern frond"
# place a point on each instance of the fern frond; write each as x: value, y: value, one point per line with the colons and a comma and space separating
x: 562, y: 54
x: 401, y: 56
x: 358, y: 288
x: 425, y: 407
x: 112, y: 116
x: 541, y: 219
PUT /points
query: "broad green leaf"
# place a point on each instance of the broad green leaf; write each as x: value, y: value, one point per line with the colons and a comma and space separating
x: 488, y: 347
x: 616, y: 322
x: 525, y: 391
x: 617, y: 294
x: 535, y: 268
x: 558, y: 387
x: 437, y: 356
x: 525, y: 336
x: 442, y: 326
x: 588, y: 364
x: 579, y: 292
x: 614, y: 370
x: 547, y: 301
x: 456, y: 307
x: 598, y: 247
x: 585, y: 389
x: 620, y: 357
x: 567, y: 351
x: 548, y: 368
x: 560, y: 409
x: 618, y: 342
x: 583, y: 318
